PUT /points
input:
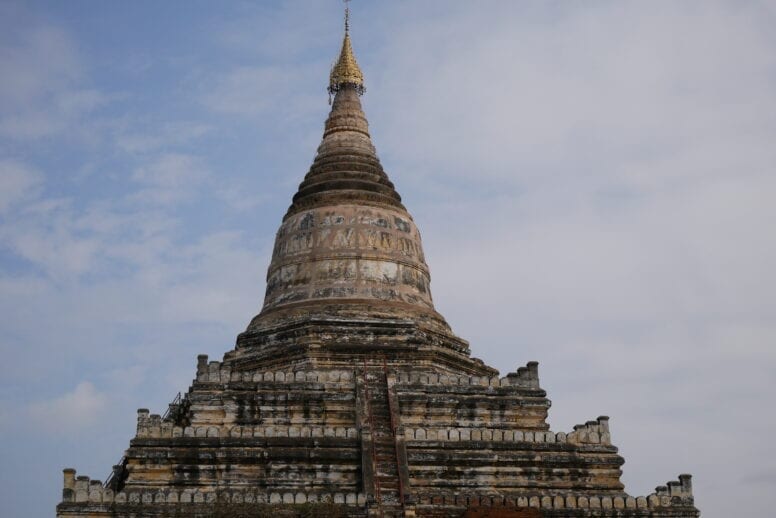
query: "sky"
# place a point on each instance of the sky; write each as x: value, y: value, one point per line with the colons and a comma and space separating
x: 594, y: 182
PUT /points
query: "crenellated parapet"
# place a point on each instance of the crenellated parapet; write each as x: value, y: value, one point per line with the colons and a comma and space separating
x: 524, y: 377
x: 674, y: 492
x: 527, y: 376
x: 676, y: 502
x: 80, y: 489
x: 592, y: 432
x: 153, y: 427
x: 673, y: 499
x: 485, y: 433
x: 223, y: 372
x: 456, y: 403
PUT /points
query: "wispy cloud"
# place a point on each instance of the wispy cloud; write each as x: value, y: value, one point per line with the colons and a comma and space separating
x: 44, y: 90
x: 169, y: 179
x: 161, y: 136
x: 73, y: 411
x: 17, y: 181
x: 275, y: 92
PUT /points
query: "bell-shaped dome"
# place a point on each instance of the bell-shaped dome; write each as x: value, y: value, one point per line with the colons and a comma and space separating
x: 347, y: 246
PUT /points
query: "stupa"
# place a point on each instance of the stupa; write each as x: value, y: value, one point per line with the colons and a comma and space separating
x: 349, y: 395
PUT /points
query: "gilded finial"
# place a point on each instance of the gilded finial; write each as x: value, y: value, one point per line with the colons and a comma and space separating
x: 346, y: 70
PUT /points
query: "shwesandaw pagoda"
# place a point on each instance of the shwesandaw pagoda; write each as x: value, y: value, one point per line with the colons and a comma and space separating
x: 349, y: 395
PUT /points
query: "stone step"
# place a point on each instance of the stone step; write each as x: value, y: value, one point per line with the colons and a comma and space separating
x: 386, y: 471
x: 387, y: 450
x: 389, y: 512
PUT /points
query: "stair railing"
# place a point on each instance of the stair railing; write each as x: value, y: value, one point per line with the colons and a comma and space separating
x: 121, y: 465
x: 174, y: 405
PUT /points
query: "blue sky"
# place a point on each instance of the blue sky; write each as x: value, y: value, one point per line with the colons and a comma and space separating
x: 594, y: 183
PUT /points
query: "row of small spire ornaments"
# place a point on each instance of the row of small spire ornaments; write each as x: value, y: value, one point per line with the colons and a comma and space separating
x: 346, y: 72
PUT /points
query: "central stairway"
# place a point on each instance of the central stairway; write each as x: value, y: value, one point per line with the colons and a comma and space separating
x: 384, y: 457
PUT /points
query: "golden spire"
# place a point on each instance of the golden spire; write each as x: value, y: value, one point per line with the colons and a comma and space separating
x: 346, y: 71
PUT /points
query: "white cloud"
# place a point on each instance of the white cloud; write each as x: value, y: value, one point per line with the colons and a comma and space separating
x: 236, y: 198
x: 42, y: 92
x: 42, y: 231
x: 603, y: 87
x: 72, y: 411
x: 169, y: 178
x: 17, y: 181
x: 162, y: 135
x: 42, y: 59
x: 282, y: 33
x: 272, y: 91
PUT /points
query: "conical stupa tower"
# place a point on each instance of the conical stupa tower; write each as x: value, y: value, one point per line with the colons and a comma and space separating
x: 348, y: 259
x: 348, y: 394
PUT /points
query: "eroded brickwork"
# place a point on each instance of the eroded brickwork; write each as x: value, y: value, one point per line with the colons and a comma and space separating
x: 380, y: 436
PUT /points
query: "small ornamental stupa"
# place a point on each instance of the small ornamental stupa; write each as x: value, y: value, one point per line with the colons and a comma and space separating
x: 349, y: 395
